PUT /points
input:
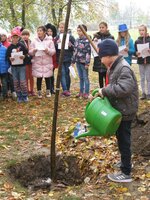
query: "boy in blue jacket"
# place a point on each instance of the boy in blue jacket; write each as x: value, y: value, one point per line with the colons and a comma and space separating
x: 3, y: 70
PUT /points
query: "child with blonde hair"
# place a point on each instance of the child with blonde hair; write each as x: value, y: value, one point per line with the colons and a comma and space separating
x: 144, y: 63
x: 124, y: 39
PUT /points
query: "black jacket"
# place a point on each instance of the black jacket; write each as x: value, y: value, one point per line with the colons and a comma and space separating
x: 97, y: 66
x: 67, y: 53
x: 142, y: 40
x: 28, y: 57
x: 19, y: 47
x: 122, y: 90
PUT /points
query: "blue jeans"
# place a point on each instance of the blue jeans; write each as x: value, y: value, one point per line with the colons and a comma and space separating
x: 65, y: 76
x: 84, y: 79
x: 3, y: 78
x: 123, y: 135
x: 19, y: 78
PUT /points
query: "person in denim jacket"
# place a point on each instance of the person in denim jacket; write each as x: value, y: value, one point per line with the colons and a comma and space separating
x: 82, y: 56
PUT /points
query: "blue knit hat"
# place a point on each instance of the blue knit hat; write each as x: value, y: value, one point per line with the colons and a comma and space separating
x: 122, y: 28
x: 108, y: 47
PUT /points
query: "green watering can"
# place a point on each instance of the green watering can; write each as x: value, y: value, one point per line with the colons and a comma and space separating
x: 102, y: 118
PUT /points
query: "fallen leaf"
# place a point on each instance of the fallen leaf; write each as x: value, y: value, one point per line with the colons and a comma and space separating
x: 8, y: 186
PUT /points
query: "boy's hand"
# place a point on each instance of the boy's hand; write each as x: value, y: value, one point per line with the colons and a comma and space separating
x: 12, y: 59
x: 100, y: 93
x: 90, y: 97
x: 22, y: 57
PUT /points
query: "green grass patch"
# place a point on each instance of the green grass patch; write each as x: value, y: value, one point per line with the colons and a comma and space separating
x: 26, y: 136
x: 11, y: 163
x: 71, y: 198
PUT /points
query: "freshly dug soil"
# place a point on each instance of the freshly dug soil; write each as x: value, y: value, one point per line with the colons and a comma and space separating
x: 34, y: 172
x: 141, y: 134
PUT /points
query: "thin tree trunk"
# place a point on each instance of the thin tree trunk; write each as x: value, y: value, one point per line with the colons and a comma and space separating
x: 53, y: 13
x: 60, y: 15
x: 23, y: 14
x: 13, y: 15
x: 56, y: 102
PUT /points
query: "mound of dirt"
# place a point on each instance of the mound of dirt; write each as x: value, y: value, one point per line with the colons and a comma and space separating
x: 141, y: 135
x: 34, y: 173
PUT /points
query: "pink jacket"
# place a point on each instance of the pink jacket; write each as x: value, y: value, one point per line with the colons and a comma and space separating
x: 42, y: 63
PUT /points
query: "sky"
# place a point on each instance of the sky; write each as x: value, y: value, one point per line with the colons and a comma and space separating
x: 142, y: 4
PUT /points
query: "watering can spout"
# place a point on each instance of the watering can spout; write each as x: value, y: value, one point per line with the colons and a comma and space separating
x: 91, y: 132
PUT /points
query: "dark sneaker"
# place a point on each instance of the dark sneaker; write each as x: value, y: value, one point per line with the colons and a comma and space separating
x: 120, y: 177
x: 53, y: 92
x: 67, y: 94
x: 143, y: 96
x: 19, y: 100
x: 39, y: 94
x: 25, y: 99
x: 63, y: 93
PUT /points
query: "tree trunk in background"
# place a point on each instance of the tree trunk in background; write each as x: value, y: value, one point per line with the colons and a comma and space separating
x: 53, y: 13
x: 56, y: 102
x: 13, y: 14
x: 23, y: 14
x: 60, y: 15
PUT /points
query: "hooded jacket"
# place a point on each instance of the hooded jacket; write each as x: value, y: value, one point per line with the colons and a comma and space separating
x: 42, y: 64
x: 122, y: 90
x: 142, y: 40
x: 97, y: 66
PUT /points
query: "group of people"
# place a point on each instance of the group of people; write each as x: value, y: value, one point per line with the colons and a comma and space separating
x: 23, y: 59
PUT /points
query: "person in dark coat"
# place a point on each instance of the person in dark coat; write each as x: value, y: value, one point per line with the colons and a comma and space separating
x: 144, y: 63
x: 122, y: 92
x: 98, y: 66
